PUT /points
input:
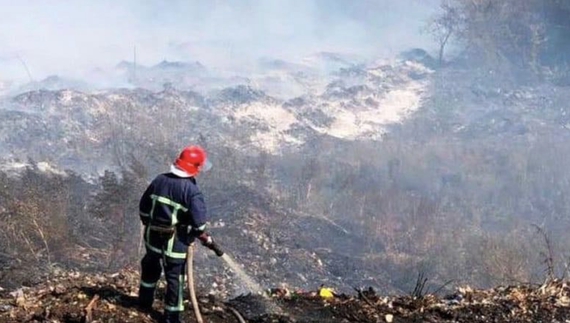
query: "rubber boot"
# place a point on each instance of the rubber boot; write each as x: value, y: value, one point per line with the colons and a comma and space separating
x: 146, y: 298
x: 171, y: 317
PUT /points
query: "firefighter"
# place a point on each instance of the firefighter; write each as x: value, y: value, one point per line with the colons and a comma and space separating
x: 173, y: 213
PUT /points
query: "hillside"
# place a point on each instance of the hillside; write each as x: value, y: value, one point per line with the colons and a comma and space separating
x: 80, y: 138
x: 359, y: 103
x: 411, y: 156
x: 389, y: 170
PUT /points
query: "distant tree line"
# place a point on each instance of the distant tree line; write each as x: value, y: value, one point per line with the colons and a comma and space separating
x: 533, y: 35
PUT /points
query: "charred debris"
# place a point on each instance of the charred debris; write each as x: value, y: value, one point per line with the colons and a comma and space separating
x: 72, y: 296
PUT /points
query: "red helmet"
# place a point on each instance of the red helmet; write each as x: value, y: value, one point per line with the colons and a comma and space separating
x: 192, y: 160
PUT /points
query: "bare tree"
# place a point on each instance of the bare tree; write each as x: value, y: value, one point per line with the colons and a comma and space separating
x: 444, y: 26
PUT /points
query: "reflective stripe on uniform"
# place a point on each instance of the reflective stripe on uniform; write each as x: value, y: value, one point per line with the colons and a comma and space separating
x: 177, y: 206
x: 168, y: 201
x: 180, y: 305
x: 181, y: 292
x: 174, y: 308
x: 170, y: 245
x: 146, y: 215
x: 174, y: 220
x: 152, y: 208
x: 148, y: 285
x: 168, y: 252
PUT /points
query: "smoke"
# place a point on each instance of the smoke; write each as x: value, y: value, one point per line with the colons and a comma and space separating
x: 74, y: 37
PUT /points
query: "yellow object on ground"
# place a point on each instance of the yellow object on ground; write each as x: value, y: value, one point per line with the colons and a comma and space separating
x: 326, y: 292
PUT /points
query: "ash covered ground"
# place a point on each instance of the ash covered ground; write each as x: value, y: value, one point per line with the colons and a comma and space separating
x: 71, y: 296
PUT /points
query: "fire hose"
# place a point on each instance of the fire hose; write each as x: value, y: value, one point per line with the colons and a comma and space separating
x: 191, y: 286
x: 189, y: 269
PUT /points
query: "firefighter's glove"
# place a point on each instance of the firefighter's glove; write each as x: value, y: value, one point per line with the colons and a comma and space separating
x: 209, y: 243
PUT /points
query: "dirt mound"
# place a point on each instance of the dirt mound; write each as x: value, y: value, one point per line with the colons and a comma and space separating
x: 68, y: 297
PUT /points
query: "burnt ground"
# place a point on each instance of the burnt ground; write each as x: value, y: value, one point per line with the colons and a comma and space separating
x: 74, y: 297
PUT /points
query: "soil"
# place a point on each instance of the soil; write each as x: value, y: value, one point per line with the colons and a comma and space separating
x: 75, y: 297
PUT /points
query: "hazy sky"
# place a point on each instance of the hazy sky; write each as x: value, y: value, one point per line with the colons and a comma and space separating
x: 71, y: 37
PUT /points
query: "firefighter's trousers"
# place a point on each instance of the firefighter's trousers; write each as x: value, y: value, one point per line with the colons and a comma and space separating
x: 152, y: 265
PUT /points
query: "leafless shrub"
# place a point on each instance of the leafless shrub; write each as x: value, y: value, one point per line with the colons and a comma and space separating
x: 548, y: 254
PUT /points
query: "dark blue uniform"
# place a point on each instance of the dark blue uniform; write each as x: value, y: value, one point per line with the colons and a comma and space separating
x: 173, y: 212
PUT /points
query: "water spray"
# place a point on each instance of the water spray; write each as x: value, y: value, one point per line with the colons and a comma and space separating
x: 249, y: 283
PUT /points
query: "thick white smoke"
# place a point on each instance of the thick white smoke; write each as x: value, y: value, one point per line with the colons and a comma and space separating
x: 73, y: 37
